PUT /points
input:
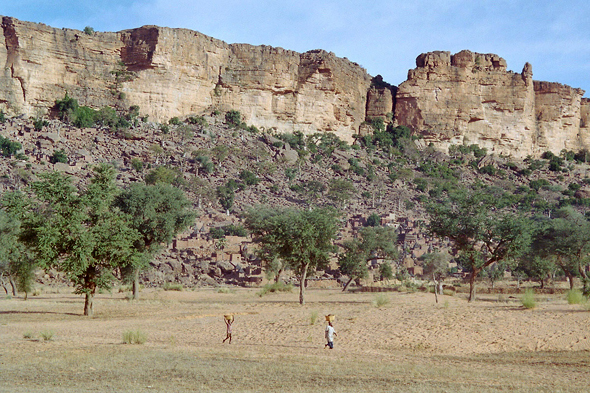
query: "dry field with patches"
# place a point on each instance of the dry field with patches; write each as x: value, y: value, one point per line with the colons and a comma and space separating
x: 409, y: 344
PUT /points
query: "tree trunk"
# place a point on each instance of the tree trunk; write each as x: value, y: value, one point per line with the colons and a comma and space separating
x: 474, y: 273
x: 347, y: 284
x: 278, y: 275
x: 13, y: 285
x: 136, y: 284
x: 570, y: 277
x: 435, y: 288
x: 89, y: 303
x: 302, y: 280
x: 585, y: 280
x: 90, y: 290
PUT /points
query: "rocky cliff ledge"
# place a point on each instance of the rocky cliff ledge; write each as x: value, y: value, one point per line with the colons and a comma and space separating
x: 177, y: 72
x: 471, y: 98
x: 448, y: 99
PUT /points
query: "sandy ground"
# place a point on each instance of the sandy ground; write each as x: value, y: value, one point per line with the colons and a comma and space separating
x: 410, y: 328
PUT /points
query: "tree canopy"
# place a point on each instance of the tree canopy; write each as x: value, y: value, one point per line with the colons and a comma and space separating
x: 303, y: 239
x: 77, y: 231
x: 483, y: 225
x: 158, y: 213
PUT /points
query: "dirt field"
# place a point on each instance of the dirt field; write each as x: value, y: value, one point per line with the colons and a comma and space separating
x: 410, y: 344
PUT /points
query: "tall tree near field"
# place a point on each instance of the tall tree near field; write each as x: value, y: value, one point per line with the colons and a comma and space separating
x: 16, y: 265
x: 78, y: 231
x: 372, y: 242
x: 158, y: 212
x: 484, y: 227
x: 566, y: 238
x: 302, y: 238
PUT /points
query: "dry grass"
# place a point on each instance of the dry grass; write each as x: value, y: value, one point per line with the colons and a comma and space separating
x: 413, y: 345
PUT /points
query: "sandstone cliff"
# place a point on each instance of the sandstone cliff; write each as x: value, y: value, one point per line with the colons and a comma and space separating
x: 448, y: 99
x: 178, y: 72
x: 472, y: 98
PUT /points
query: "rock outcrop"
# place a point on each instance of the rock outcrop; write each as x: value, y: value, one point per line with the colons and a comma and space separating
x: 471, y: 98
x: 178, y: 72
x: 465, y: 98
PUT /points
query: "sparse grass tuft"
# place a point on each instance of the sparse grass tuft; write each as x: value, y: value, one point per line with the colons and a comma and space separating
x: 134, y: 337
x: 575, y: 296
x: 225, y: 290
x: 528, y: 299
x: 380, y: 300
x: 170, y: 286
x: 275, y: 287
x: 313, y: 317
x: 28, y: 335
x: 446, y: 304
x: 47, y: 335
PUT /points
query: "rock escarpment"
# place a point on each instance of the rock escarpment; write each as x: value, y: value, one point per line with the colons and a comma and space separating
x: 472, y: 98
x: 465, y: 98
x: 178, y: 72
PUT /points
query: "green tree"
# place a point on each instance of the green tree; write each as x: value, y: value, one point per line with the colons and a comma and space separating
x: 483, y: 226
x: 77, y: 231
x: 340, y: 190
x: 565, y: 238
x: 372, y: 242
x: 15, y: 262
x: 158, y: 212
x: 301, y: 238
x: 59, y: 156
x: 163, y: 175
x: 436, y: 266
x: 226, y: 195
x: 8, y: 147
x: 233, y: 118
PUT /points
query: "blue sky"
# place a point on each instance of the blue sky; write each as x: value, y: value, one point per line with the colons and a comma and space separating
x: 383, y: 36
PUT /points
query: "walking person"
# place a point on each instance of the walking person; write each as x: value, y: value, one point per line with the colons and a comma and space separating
x: 330, y: 333
x: 229, y: 319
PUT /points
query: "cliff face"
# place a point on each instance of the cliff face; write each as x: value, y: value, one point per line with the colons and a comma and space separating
x: 471, y: 98
x: 448, y: 99
x: 178, y: 72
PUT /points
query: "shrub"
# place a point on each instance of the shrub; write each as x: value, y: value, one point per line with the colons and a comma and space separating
x: 313, y: 317
x: 198, y: 121
x: 249, y: 178
x: 47, y: 335
x: 134, y: 337
x: 175, y: 121
x: 162, y: 174
x: 170, y: 286
x: 39, y: 123
x: 59, y: 156
x: 575, y: 296
x: 84, y: 117
x: 233, y: 118
x: 275, y: 287
x: 386, y: 271
x: 380, y: 300
x: 528, y: 299
x: 2, y: 117
x: 89, y: 30
x: 137, y: 164
x: 66, y: 107
x: 8, y: 147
